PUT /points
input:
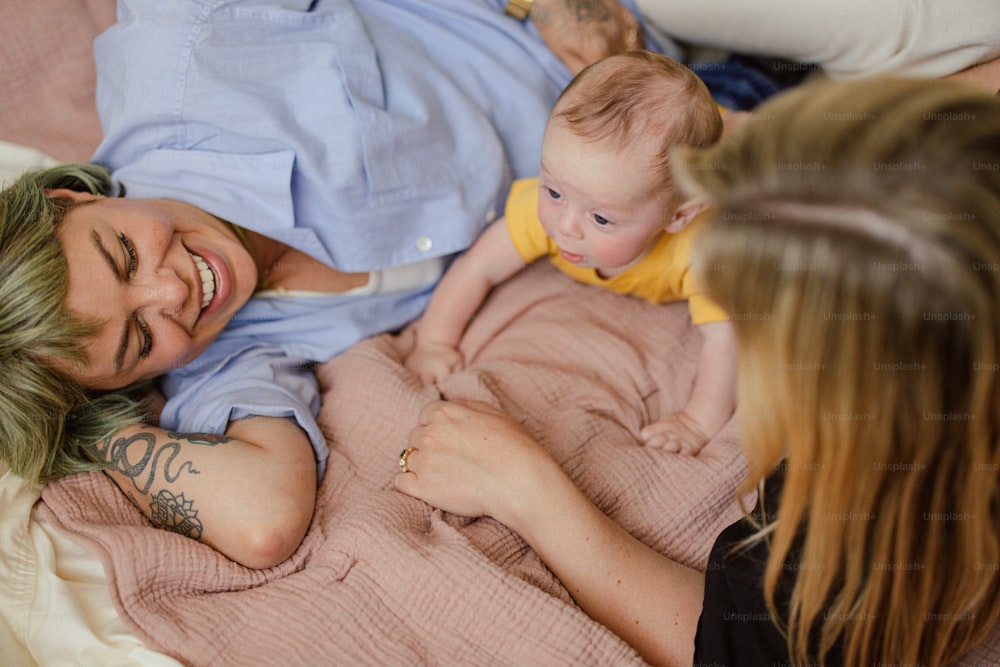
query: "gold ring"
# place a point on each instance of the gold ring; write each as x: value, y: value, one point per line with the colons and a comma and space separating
x: 403, y: 455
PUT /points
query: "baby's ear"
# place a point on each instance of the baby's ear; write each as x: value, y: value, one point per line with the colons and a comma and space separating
x: 685, y: 213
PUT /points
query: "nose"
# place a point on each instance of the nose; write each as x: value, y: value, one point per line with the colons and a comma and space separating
x: 567, y: 223
x: 163, y: 292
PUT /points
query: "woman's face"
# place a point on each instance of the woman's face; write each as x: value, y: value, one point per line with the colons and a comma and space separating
x: 162, y: 277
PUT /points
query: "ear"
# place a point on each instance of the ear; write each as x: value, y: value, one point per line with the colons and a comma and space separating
x: 71, y: 195
x: 685, y: 213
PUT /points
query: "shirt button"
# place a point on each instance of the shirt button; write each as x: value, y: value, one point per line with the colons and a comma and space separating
x: 424, y: 244
x: 492, y: 215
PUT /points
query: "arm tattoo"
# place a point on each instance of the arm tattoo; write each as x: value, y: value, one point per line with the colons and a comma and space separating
x: 138, y: 457
x: 175, y: 513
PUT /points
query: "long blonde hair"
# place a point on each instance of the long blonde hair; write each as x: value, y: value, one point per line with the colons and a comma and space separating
x: 855, y: 243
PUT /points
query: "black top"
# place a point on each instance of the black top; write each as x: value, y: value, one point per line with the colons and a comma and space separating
x: 735, y: 628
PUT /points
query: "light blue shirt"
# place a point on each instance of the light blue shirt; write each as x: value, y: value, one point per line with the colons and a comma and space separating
x: 367, y: 134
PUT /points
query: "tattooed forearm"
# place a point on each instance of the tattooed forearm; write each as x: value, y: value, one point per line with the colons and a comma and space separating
x: 141, y: 458
x: 176, y: 514
x: 209, y: 439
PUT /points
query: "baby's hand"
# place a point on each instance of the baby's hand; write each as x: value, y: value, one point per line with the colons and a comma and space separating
x: 433, y: 362
x: 677, y: 433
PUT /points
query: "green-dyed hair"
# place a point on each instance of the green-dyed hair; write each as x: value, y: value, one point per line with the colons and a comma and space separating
x: 47, y: 421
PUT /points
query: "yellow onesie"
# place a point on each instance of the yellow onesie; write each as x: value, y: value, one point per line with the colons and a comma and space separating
x: 662, y: 275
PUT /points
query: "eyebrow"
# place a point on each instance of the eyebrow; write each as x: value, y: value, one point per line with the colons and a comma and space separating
x: 123, y: 345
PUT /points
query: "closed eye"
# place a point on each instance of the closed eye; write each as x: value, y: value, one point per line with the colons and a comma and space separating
x: 131, y: 262
x: 147, y: 339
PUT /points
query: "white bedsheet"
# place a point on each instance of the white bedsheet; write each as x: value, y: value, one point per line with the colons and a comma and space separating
x: 55, y: 608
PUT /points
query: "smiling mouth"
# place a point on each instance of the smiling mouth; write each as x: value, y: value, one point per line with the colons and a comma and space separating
x: 207, y: 280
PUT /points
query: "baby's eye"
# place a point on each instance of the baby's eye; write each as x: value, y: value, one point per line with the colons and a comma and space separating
x: 553, y: 194
x: 601, y: 220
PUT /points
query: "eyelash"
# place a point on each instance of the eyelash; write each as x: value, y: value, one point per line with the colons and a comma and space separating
x: 147, y: 339
x: 130, y: 252
x: 130, y: 267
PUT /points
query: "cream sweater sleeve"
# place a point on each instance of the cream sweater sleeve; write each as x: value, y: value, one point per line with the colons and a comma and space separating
x: 848, y: 38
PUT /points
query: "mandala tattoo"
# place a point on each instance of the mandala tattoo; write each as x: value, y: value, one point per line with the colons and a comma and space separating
x: 175, y: 513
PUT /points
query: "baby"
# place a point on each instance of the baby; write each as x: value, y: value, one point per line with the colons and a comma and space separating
x: 605, y: 212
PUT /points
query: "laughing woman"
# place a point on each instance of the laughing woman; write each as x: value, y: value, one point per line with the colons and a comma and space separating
x: 289, y: 183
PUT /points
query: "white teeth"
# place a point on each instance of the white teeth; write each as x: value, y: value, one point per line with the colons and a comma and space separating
x: 207, y: 279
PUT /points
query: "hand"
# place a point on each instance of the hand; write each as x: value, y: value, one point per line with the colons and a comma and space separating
x: 679, y: 433
x: 433, y: 362
x: 581, y: 32
x: 474, y: 460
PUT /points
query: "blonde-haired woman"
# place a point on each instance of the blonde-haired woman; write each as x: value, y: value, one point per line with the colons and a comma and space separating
x: 868, y: 214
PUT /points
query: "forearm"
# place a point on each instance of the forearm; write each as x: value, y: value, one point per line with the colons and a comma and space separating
x: 491, y: 260
x: 455, y: 301
x: 650, y: 601
x: 250, y: 502
x: 713, y: 396
x: 471, y: 459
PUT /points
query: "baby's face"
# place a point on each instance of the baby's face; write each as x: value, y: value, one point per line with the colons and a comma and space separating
x: 602, y: 206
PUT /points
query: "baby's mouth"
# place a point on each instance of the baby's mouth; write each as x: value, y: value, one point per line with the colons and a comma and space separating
x: 571, y: 257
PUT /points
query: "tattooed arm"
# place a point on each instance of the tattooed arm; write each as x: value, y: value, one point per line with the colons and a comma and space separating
x: 248, y: 494
x: 584, y: 31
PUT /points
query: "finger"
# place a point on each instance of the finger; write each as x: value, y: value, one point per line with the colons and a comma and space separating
x: 655, y: 441
x: 654, y: 430
x: 632, y: 35
x: 429, y: 410
x: 687, y: 448
x: 407, y: 483
x: 477, y: 406
x: 411, y: 453
x: 671, y: 446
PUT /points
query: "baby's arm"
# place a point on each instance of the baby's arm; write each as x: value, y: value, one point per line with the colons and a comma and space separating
x: 712, y: 400
x: 491, y: 260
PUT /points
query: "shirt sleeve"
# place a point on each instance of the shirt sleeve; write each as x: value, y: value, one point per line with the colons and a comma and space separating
x: 849, y: 39
x: 736, y: 629
x: 229, y: 384
x: 521, y: 213
x: 703, y: 310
